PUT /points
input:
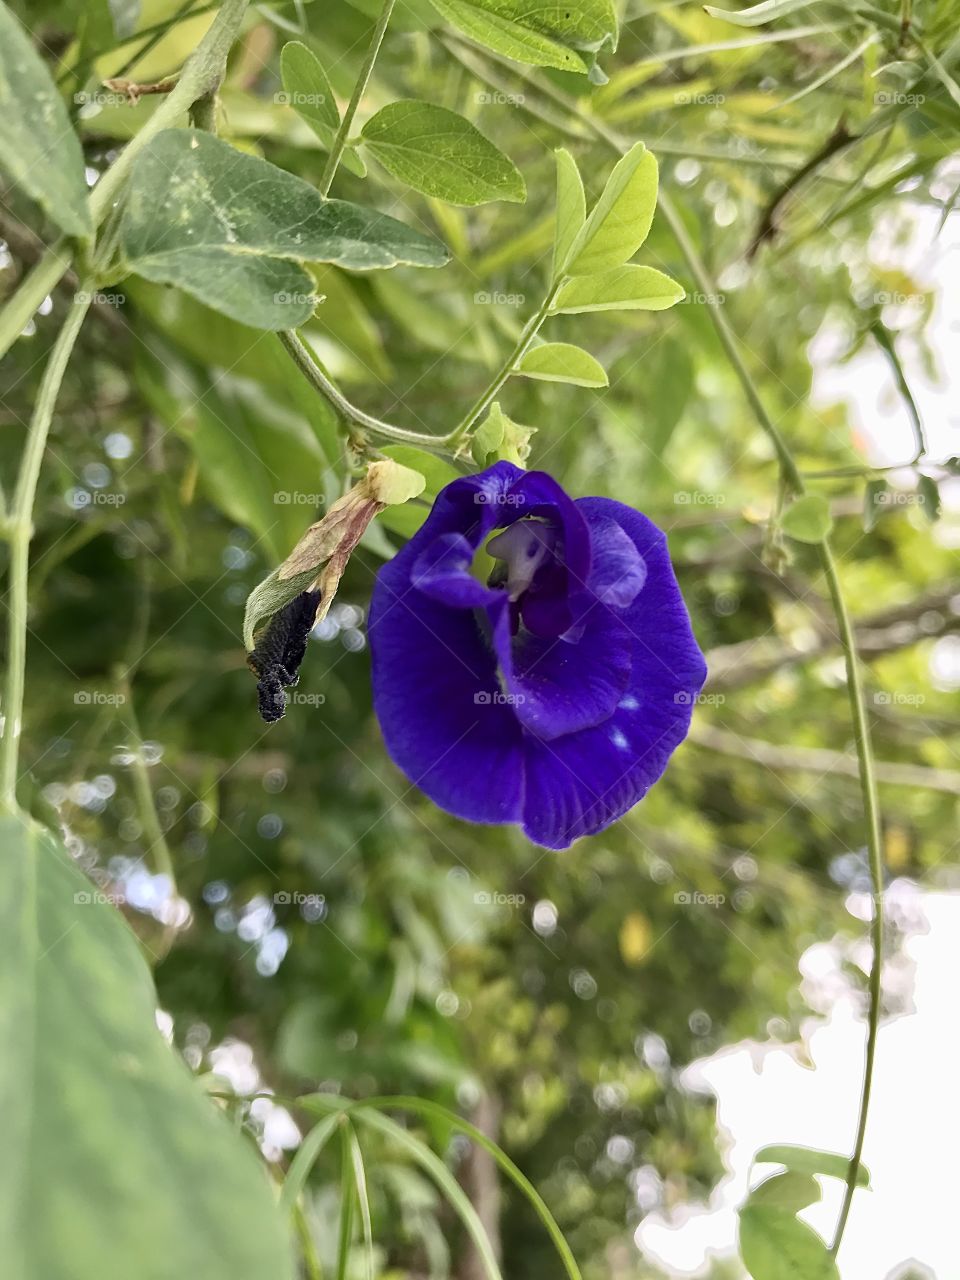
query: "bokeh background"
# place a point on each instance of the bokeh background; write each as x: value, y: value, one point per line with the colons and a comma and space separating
x: 633, y: 1018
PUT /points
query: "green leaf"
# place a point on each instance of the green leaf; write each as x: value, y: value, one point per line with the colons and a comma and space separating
x: 232, y: 230
x: 488, y: 437
x: 620, y: 220
x: 789, y: 1191
x: 628, y: 288
x: 774, y: 1245
x: 437, y: 473
x: 306, y: 1157
x: 308, y: 91
x: 758, y: 14
x: 929, y: 493
x: 810, y: 1160
x: 807, y: 519
x: 115, y: 1163
x: 499, y: 437
x: 38, y: 147
x: 363, y: 1197
x: 537, y: 36
x: 438, y: 1113
x: 429, y: 1162
x: 562, y: 362
x: 571, y: 209
x: 437, y: 152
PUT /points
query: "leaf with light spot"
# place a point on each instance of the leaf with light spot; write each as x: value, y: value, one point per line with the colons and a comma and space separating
x: 233, y: 230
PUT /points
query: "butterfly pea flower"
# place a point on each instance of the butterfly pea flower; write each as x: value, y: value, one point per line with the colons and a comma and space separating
x: 533, y: 659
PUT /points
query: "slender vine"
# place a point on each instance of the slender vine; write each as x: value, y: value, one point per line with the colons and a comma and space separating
x: 486, y: 398
x: 297, y: 349
x: 19, y: 533
x: 359, y: 89
x: 793, y: 481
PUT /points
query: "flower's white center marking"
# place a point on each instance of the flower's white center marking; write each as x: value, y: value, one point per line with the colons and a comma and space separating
x: 523, y: 548
x: 619, y: 740
x: 629, y: 703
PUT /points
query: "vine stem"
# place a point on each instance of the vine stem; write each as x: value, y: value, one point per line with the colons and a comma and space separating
x: 300, y: 354
x: 527, y: 335
x: 19, y: 532
x: 793, y: 480
x: 359, y: 89
x: 871, y: 809
x: 201, y: 75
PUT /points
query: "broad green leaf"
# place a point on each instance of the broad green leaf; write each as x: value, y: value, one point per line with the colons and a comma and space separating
x: 562, y: 362
x: 38, y: 147
x: 620, y: 220
x: 810, y: 1160
x: 439, y: 153
x: 115, y: 1163
x: 774, y: 1245
x: 437, y: 473
x: 308, y: 91
x: 232, y: 230
x: 571, y: 209
x: 808, y: 519
x: 758, y: 14
x: 629, y: 288
x: 537, y: 36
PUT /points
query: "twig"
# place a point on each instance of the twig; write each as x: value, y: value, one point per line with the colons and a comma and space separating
x: 134, y: 91
x: 821, y: 760
x: 767, y: 227
x: 734, y: 665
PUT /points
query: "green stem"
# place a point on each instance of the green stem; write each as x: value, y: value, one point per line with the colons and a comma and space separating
x: 486, y: 398
x: 201, y: 74
x: 359, y: 89
x: 19, y: 532
x: 871, y: 809
x: 308, y: 1249
x: 793, y: 480
x: 157, y: 847
x: 300, y: 354
x: 707, y: 286
x: 40, y: 281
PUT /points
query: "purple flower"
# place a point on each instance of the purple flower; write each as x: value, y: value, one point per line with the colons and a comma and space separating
x: 551, y: 687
